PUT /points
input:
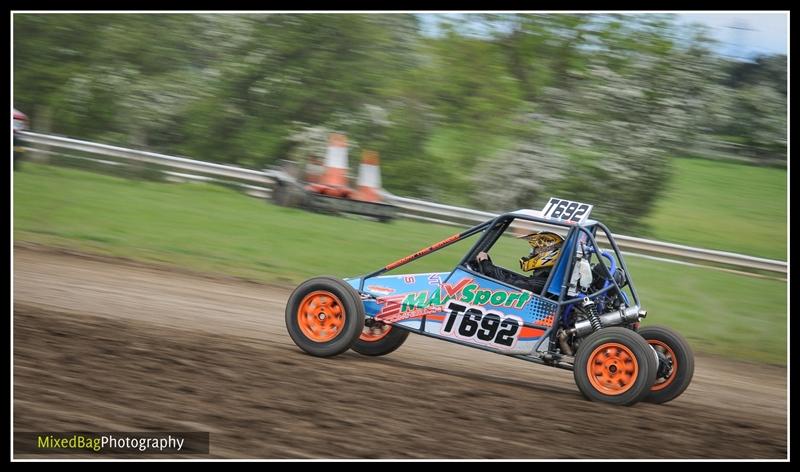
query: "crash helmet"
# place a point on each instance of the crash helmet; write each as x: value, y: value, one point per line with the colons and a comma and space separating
x: 545, y: 248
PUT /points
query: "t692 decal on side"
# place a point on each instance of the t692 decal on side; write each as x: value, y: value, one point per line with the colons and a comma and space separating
x: 481, y: 326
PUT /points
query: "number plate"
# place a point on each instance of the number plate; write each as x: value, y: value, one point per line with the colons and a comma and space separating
x: 565, y: 210
x: 477, y: 325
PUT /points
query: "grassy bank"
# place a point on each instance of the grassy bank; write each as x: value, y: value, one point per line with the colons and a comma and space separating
x: 724, y: 206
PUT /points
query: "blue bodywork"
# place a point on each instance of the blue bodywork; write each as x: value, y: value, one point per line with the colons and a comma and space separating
x: 437, y: 304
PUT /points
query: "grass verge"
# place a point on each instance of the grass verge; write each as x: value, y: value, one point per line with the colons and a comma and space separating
x: 724, y: 206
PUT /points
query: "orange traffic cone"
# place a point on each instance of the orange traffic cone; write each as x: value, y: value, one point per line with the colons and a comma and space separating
x: 369, y: 178
x: 333, y: 180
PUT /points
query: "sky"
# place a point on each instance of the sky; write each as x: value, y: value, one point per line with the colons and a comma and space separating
x: 744, y: 34
x: 741, y: 35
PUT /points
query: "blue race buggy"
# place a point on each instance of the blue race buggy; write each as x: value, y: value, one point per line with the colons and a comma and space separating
x: 584, y: 314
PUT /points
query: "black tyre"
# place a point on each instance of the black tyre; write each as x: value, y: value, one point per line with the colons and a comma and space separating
x: 279, y: 195
x: 379, y: 340
x: 324, y: 316
x: 615, y: 365
x: 676, y: 377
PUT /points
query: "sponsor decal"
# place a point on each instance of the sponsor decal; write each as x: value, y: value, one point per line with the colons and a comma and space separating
x: 510, y: 299
x: 380, y: 289
x: 415, y: 304
x: 392, y: 309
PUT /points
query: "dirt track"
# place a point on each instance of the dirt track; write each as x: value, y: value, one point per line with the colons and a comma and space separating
x: 102, y: 346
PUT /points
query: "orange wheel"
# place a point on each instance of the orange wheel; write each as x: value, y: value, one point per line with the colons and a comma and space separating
x: 664, y: 348
x: 612, y: 369
x: 374, y: 333
x: 324, y: 316
x: 379, y: 339
x: 320, y: 316
x: 615, y: 365
x: 673, y: 349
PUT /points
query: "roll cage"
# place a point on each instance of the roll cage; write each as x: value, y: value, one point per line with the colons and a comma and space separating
x: 557, y: 282
x: 556, y: 289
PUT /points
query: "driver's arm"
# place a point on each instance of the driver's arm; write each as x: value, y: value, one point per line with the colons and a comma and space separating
x: 534, y: 283
x: 487, y: 268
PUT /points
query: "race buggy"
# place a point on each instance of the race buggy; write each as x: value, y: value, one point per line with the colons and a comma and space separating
x: 584, y: 315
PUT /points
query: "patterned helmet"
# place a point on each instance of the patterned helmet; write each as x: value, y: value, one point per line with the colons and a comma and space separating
x: 545, y: 248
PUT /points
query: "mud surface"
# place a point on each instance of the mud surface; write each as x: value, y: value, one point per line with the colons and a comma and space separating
x: 105, y: 346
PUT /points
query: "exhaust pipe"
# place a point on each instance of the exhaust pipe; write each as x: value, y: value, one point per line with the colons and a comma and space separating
x: 612, y: 318
x: 562, y: 341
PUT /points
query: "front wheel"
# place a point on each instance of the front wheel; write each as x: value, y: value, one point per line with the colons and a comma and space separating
x: 615, y: 365
x: 676, y: 361
x: 324, y: 316
x: 379, y: 340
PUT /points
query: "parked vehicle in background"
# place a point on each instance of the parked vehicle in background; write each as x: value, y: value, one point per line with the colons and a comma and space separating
x: 324, y: 186
x: 21, y: 123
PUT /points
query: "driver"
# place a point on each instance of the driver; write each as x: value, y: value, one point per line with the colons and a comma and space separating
x: 545, y: 248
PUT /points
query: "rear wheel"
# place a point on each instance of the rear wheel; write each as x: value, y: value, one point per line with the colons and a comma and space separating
x: 324, y: 316
x: 676, y: 355
x: 379, y: 340
x: 615, y: 365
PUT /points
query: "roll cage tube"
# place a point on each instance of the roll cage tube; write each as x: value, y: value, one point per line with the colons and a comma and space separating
x: 621, y: 260
x: 497, y: 226
x: 566, y: 305
x: 424, y: 252
x: 571, y: 266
